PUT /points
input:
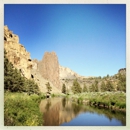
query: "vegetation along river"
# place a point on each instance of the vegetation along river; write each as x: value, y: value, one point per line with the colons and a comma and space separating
x: 64, y: 112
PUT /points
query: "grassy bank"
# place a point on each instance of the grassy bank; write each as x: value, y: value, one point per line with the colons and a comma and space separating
x: 58, y: 95
x: 22, y: 110
x: 111, y: 100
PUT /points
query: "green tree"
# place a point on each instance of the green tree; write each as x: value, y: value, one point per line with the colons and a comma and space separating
x: 49, y: 88
x: 94, y: 87
x: 103, y: 86
x: 109, y: 86
x: 108, y: 76
x: 14, y: 82
x: 64, y: 89
x: 31, y: 87
x: 85, y: 88
x: 121, y: 86
x: 99, y: 77
x: 91, y: 88
x: 76, y: 87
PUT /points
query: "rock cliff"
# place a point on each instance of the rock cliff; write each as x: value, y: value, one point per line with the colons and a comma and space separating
x: 67, y: 73
x: 46, y: 70
x: 20, y: 58
x: 67, y: 77
x: 49, y: 68
x: 17, y: 53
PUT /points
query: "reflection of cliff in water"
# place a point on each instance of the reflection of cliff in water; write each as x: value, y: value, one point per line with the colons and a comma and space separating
x: 59, y: 110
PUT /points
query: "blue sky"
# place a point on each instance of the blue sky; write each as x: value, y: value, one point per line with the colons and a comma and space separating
x: 90, y: 39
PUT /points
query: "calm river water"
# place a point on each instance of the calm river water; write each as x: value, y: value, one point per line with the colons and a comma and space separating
x: 63, y: 112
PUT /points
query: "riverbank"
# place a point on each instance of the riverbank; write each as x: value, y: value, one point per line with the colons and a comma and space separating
x: 109, y: 100
x: 21, y: 109
x: 64, y: 112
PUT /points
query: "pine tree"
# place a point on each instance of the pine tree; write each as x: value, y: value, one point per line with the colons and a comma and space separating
x: 109, y: 86
x: 48, y: 87
x: 14, y: 82
x: 85, y: 88
x: 64, y: 89
x: 103, y: 86
x: 121, y: 86
x: 91, y: 88
x: 94, y: 87
x: 76, y: 87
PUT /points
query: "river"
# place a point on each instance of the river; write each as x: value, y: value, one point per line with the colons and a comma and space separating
x: 63, y: 112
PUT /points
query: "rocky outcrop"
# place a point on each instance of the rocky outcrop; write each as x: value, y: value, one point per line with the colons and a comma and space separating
x: 20, y: 58
x: 122, y: 71
x: 16, y: 53
x: 66, y: 73
x: 49, y: 68
x: 46, y: 70
x: 67, y: 77
x: 35, y: 64
x: 42, y: 81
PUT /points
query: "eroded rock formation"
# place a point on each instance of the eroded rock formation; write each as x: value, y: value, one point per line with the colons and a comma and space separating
x: 20, y: 58
x: 17, y: 53
x: 46, y: 70
x: 49, y: 68
x: 122, y: 71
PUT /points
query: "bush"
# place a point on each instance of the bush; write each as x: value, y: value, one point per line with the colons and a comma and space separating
x: 53, y: 95
x: 21, y: 110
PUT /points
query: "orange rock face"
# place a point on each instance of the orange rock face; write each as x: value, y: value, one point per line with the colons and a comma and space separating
x: 16, y: 53
x: 49, y: 68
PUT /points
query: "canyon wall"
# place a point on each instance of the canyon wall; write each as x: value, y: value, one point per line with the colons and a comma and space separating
x: 20, y: 58
x: 16, y: 53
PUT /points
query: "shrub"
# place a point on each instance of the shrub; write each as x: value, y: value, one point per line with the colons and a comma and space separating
x: 21, y: 110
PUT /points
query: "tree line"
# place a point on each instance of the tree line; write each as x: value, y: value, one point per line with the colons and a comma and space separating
x: 102, y: 86
x: 15, y: 82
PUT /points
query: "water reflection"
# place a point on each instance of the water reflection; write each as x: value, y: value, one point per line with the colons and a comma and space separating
x: 64, y: 102
x: 48, y: 104
x: 60, y: 111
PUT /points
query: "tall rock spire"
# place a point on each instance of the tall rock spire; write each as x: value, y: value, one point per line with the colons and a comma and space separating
x: 49, y: 68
